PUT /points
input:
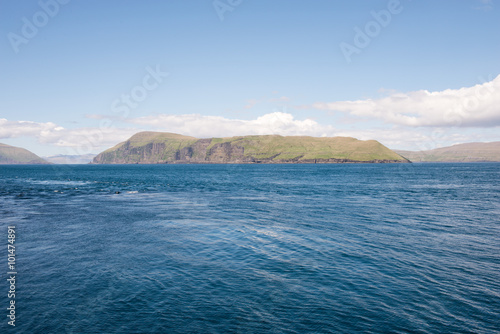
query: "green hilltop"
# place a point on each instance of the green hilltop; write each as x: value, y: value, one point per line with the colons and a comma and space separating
x: 160, y: 147
x: 16, y: 155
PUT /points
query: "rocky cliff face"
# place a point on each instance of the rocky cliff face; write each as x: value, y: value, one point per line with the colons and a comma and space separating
x: 225, y: 152
x: 155, y: 153
x: 154, y: 147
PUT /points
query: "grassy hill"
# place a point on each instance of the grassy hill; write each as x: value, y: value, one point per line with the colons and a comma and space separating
x: 470, y: 152
x: 159, y: 147
x: 16, y: 155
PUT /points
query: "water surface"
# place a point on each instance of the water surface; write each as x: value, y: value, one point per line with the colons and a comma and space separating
x: 382, y: 248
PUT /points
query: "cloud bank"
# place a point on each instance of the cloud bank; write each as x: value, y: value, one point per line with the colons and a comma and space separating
x: 80, y: 140
x: 215, y: 126
x: 91, y: 140
x: 415, y: 120
x: 477, y: 106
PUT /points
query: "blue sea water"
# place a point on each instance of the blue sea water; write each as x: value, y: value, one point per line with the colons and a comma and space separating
x: 368, y: 248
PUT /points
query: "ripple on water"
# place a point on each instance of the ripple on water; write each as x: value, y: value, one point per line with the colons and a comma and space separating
x: 293, y: 249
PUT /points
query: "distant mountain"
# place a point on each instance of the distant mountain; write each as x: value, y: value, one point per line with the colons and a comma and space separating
x: 70, y: 159
x: 471, y: 152
x: 160, y: 147
x: 16, y: 155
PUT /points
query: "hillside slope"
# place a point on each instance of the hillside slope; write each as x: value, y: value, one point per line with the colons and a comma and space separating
x: 159, y: 147
x: 470, y: 152
x: 17, y: 155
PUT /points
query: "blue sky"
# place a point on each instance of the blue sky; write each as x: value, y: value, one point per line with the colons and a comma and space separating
x: 80, y: 76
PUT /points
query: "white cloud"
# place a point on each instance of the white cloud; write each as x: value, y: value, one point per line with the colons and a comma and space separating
x: 477, y: 106
x: 90, y: 140
x: 216, y: 126
x: 420, y: 139
x: 94, y: 140
x: 25, y: 128
x: 80, y: 140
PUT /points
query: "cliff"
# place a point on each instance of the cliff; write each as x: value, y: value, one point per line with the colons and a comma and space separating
x: 159, y: 147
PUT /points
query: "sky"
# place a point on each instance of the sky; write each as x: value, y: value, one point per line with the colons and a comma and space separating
x: 80, y: 76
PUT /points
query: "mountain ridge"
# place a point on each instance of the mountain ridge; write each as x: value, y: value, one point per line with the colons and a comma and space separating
x: 19, y: 156
x: 467, y: 152
x: 163, y: 147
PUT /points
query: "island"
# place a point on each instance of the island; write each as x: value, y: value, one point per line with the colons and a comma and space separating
x: 162, y: 147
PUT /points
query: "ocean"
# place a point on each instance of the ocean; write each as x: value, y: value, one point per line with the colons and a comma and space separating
x: 294, y: 248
